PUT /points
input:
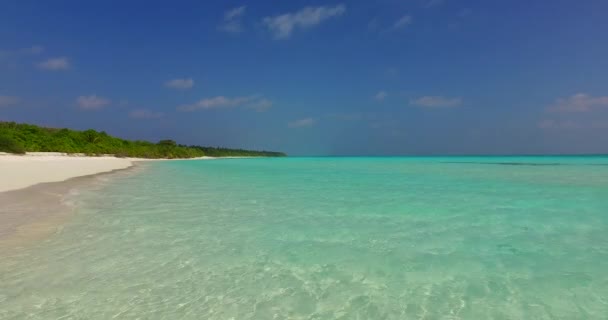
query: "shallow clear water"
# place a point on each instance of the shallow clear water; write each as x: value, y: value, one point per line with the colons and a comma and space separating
x: 326, y: 238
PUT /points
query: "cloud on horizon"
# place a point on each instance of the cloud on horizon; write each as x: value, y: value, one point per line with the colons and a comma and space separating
x: 576, y: 112
x: 55, y: 64
x: 580, y: 102
x: 254, y: 102
x: 283, y: 25
x: 232, y: 20
x: 436, y: 102
x: 181, y: 84
x: 301, y: 123
x: 91, y: 102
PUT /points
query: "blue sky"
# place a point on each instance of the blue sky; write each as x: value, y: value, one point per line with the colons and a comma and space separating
x: 384, y: 77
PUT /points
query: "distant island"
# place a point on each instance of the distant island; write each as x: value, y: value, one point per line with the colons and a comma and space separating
x: 19, y: 138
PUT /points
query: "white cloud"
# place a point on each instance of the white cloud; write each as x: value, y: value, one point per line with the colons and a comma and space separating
x: 403, y: 22
x: 181, y: 84
x: 300, y: 123
x: 235, y: 13
x: 261, y: 105
x: 54, y: 64
x: 7, y: 101
x: 381, y: 95
x: 232, y: 20
x: 92, y: 102
x: 436, y: 102
x: 214, y: 103
x: 283, y: 25
x: 250, y: 102
x: 580, y: 111
x: 580, y: 102
x: 145, y: 114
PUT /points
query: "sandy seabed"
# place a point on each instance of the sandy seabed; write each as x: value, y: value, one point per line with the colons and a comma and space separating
x: 33, y: 186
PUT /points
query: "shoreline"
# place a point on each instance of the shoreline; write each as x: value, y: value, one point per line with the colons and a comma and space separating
x: 22, y: 171
x: 34, y: 186
x: 39, y: 210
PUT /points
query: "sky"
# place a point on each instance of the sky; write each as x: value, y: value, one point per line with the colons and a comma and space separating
x: 385, y: 77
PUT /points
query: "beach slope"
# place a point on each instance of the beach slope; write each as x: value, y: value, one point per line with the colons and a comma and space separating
x: 21, y: 171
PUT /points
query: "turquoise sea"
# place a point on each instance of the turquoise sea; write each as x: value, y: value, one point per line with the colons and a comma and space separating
x: 325, y: 238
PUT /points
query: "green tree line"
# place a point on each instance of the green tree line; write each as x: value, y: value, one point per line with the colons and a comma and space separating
x: 20, y: 138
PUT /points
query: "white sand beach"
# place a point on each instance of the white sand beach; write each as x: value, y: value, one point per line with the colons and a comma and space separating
x: 21, y: 171
x: 30, y: 206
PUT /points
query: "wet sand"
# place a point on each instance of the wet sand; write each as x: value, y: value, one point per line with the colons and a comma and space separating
x: 38, y: 211
x: 33, y: 189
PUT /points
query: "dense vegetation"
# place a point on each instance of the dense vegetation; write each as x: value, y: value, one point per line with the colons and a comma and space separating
x: 224, y: 152
x: 19, y: 138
